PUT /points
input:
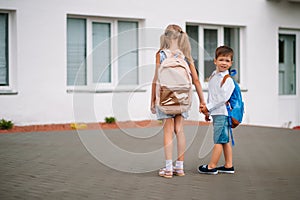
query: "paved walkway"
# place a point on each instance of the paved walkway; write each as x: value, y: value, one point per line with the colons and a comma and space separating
x: 59, y: 165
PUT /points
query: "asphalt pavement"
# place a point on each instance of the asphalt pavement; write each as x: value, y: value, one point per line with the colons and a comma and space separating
x: 123, y: 164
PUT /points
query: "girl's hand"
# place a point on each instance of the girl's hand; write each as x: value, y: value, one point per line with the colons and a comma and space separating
x: 201, y: 107
x: 204, y: 110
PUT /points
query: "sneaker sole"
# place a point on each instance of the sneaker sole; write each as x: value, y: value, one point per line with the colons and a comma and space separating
x: 226, y: 172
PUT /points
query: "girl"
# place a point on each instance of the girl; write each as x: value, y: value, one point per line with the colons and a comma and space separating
x: 174, y: 39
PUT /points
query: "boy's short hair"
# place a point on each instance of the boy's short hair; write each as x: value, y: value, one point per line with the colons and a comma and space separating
x: 224, y: 51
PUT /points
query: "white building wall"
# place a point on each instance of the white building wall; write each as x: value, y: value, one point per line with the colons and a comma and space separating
x: 40, y: 58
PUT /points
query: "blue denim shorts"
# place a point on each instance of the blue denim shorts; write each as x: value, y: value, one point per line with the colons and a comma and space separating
x: 221, y: 129
x: 162, y: 115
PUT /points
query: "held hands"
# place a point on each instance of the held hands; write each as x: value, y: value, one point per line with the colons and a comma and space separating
x: 207, y: 118
x: 204, y: 110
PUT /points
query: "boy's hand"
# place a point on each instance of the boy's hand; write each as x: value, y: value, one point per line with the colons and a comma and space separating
x: 207, y: 118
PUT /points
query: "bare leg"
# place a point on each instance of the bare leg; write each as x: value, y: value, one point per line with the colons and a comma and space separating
x: 217, y: 151
x: 168, y: 138
x: 228, y: 155
x: 180, y: 137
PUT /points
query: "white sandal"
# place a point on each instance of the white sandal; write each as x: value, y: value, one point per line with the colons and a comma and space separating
x: 165, y: 173
x: 178, y: 172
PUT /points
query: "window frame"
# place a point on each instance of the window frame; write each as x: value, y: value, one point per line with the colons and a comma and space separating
x: 11, y: 87
x: 114, y: 65
x: 111, y: 86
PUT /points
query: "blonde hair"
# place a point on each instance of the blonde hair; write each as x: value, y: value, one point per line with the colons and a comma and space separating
x: 172, y: 32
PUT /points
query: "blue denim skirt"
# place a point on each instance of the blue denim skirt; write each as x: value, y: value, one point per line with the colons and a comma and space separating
x: 221, y: 129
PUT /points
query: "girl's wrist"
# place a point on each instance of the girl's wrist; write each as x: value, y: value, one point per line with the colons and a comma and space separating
x: 202, y: 102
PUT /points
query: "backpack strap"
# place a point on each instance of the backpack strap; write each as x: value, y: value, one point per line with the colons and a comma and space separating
x: 230, y: 123
x: 177, y: 53
x: 232, y: 72
x: 224, y: 79
x: 166, y: 52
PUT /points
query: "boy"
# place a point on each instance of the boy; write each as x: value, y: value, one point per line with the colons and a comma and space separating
x: 216, y: 107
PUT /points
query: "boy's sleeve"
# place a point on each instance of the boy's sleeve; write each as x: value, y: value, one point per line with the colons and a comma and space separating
x: 224, y: 96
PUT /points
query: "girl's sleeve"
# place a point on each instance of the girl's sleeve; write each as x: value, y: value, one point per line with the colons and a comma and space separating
x: 162, y: 56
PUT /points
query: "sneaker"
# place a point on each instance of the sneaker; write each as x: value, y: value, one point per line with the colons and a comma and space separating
x: 223, y: 169
x: 203, y: 169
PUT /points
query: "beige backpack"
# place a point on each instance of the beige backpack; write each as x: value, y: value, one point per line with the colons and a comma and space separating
x: 174, y: 84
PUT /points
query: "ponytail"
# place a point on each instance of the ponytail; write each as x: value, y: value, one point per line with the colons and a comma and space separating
x: 174, y: 31
x: 185, y: 46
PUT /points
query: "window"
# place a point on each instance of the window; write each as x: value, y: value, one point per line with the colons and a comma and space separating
x: 210, y: 45
x: 8, y: 52
x: 287, y: 63
x: 232, y: 39
x: 101, y: 48
x: 194, y: 40
x: 205, y: 40
x: 76, y: 52
x: 102, y: 52
x: 4, y: 62
x: 128, y: 53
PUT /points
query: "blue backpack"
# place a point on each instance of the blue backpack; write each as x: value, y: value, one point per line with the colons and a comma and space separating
x: 235, y: 104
